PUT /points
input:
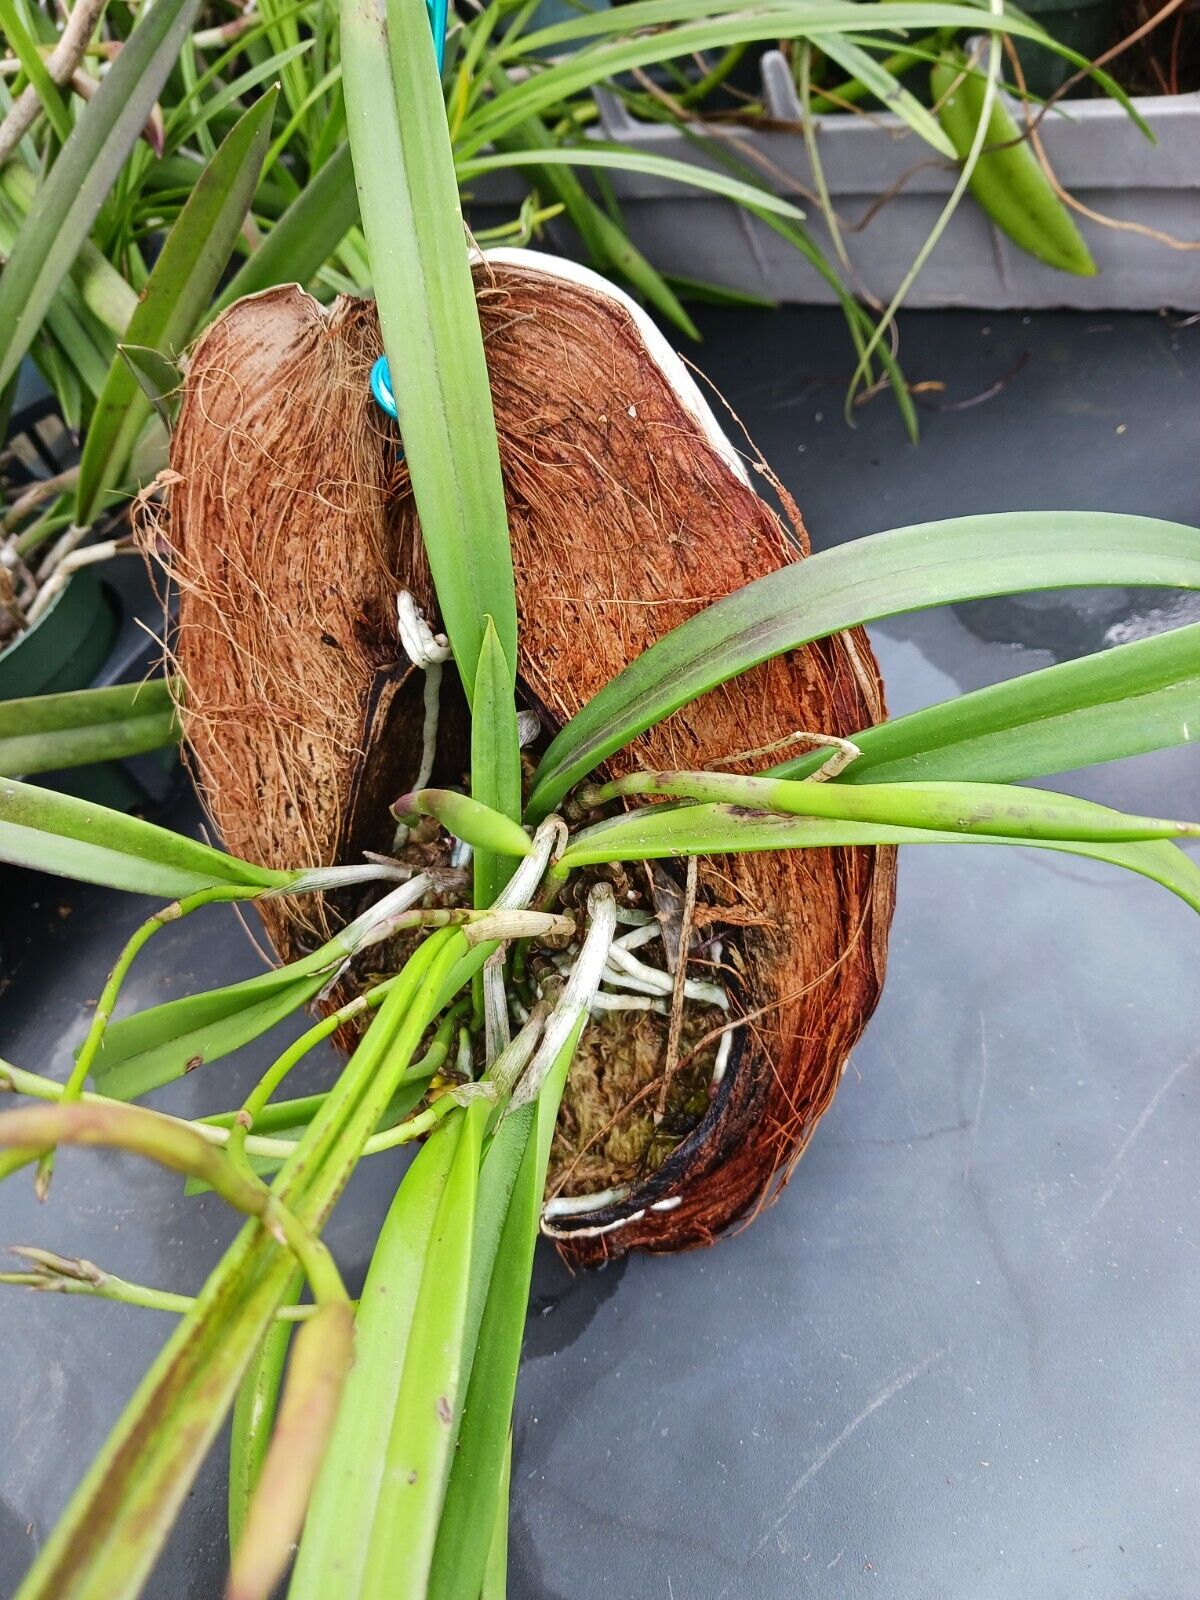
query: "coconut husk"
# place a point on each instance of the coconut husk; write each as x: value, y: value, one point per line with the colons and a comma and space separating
x: 290, y: 529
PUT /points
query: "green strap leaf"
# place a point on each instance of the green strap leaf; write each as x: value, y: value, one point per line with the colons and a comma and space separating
x: 465, y: 1534
x: 664, y: 832
x: 538, y: 91
x: 151, y: 1048
x: 45, y: 733
x: 495, y: 758
x: 177, y: 294
x: 66, y: 205
x: 347, y: 1493
x: 408, y: 191
x: 933, y: 563
x: 998, y: 810
x: 467, y: 818
x: 601, y: 156
x: 495, y: 1573
x: 25, y: 48
x: 254, y: 1415
x: 1121, y: 702
x: 305, y: 236
x: 160, y: 380
x: 421, y: 1446
x: 106, y: 1541
x: 1007, y: 180
x: 508, y: 1214
x: 77, y: 839
x: 862, y: 66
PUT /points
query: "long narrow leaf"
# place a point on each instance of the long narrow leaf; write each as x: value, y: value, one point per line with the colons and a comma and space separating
x: 495, y: 758
x: 934, y: 563
x: 48, y: 732
x: 67, y: 203
x: 253, y: 1417
x: 421, y: 1445
x: 306, y: 235
x: 539, y: 91
x: 159, y: 379
x: 862, y: 65
x: 404, y: 170
x: 154, y: 1047
x: 995, y: 809
x: 505, y: 1237
x: 600, y: 156
x: 347, y: 1493
x: 177, y: 293
x: 665, y: 832
x: 1121, y: 702
x: 76, y: 839
x: 103, y: 1546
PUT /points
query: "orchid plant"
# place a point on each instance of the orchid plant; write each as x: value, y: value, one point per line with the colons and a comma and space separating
x: 385, y: 1454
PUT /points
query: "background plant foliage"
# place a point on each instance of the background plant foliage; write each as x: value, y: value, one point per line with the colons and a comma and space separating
x: 156, y: 163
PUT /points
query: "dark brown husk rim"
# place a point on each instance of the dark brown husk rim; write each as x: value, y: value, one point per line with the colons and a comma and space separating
x: 290, y: 528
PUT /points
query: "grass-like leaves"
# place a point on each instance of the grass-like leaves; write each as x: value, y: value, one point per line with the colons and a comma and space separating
x: 77, y: 839
x: 67, y: 203
x: 177, y: 294
x: 907, y: 569
x: 1135, y: 697
x: 53, y: 731
x: 404, y: 170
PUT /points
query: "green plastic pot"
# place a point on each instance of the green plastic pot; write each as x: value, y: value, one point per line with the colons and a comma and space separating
x: 1088, y: 28
x: 64, y: 649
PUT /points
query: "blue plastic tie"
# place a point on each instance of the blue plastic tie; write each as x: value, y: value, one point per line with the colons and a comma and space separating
x: 381, y: 386
x: 381, y: 373
x: 438, y: 13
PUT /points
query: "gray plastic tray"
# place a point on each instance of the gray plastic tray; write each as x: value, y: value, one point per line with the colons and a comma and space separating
x: 1099, y: 155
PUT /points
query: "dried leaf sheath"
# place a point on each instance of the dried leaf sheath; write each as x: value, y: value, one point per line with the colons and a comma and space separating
x: 291, y: 529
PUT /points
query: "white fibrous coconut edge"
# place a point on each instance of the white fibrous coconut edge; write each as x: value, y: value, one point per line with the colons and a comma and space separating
x: 668, y: 361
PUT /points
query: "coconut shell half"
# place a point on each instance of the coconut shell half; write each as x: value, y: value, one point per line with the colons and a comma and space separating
x: 290, y: 529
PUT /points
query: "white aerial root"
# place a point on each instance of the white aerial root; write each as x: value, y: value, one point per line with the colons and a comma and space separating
x: 508, y: 1066
x: 428, y: 651
x: 574, y: 1205
x: 551, y: 1232
x: 601, y: 1001
x: 634, y: 980
x: 625, y: 971
x: 339, y: 877
x: 70, y: 561
x: 722, y: 1061
x: 576, y: 999
x: 498, y: 923
x: 844, y: 752
x: 529, y: 726
x: 375, y: 924
x: 582, y: 1203
x: 496, y: 1033
x: 464, y: 1059
x: 520, y: 889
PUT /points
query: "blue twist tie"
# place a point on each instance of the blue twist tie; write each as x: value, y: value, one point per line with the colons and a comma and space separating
x: 381, y: 373
x: 381, y: 386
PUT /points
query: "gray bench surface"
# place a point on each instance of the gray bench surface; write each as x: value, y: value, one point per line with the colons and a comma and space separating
x: 958, y: 1360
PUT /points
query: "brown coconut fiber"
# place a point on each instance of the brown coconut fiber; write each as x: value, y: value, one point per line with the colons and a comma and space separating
x: 290, y: 528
